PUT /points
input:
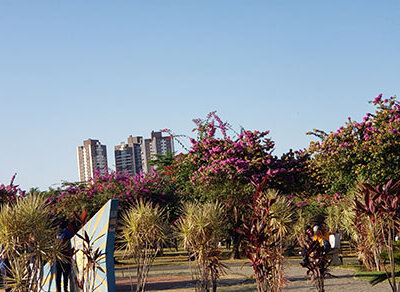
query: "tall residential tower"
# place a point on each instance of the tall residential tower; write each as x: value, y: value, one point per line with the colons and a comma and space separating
x: 134, y: 156
x: 92, y: 156
x: 128, y: 157
x: 157, y: 144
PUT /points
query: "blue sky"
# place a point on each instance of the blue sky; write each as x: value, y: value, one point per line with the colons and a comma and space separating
x: 72, y: 70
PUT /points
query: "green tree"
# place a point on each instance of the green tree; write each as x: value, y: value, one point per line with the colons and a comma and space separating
x: 367, y: 150
x: 158, y: 161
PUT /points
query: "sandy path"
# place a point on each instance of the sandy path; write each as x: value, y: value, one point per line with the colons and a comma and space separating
x: 178, y: 278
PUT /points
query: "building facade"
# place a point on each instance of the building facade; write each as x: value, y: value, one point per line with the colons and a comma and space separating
x: 92, y: 156
x: 135, y: 155
x: 128, y: 156
x: 157, y: 144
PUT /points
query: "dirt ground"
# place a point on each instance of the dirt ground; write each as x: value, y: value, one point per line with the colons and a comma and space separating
x: 178, y: 278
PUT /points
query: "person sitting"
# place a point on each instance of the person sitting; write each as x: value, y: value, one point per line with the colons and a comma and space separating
x: 323, y: 239
x: 305, y: 243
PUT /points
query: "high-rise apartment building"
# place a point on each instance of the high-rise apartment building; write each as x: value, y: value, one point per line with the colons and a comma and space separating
x: 134, y: 156
x: 92, y: 156
x: 128, y: 156
x: 157, y: 144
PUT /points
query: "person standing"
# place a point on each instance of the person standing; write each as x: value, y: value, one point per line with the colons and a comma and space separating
x: 63, y: 267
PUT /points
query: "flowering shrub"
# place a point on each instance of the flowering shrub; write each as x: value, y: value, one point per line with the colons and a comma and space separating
x: 247, y: 158
x: 219, y: 167
x: 366, y: 149
x: 104, y: 186
x: 10, y: 192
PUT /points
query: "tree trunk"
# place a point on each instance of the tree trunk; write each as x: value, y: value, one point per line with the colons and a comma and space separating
x: 236, y: 239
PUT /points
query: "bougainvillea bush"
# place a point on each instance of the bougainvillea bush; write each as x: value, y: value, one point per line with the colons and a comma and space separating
x: 224, y: 168
x: 367, y: 150
x: 91, y: 196
x: 10, y: 192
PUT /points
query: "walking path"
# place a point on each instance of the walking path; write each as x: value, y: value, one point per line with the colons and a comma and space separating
x: 178, y: 278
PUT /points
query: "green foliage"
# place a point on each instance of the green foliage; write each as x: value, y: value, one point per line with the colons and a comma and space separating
x: 316, y: 262
x: 262, y: 232
x: 367, y: 149
x: 158, y: 161
x: 382, y: 202
x: 28, y: 235
x: 144, y: 225
x: 144, y: 230
x: 92, y: 259
x: 282, y: 213
x: 200, y: 228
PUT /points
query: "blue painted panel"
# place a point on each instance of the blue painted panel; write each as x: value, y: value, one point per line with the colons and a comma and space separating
x: 101, y: 229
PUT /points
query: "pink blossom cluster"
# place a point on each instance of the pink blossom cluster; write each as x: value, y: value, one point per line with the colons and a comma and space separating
x: 10, y: 192
x: 248, y: 158
x: 382, y: 126
x: 114, y: 185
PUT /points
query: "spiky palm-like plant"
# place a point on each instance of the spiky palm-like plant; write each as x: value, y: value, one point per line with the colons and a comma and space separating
x: 28, y: 235
x: 282, y: 212
x: 143, y: 233
x: 200, y: 228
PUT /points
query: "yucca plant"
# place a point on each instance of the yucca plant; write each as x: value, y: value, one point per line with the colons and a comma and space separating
x: 200, y: 228
x: 282, y: 212
x: 144, y: 230
x: 333, y: 217
x: 28, y: 235
x: 303, y: 219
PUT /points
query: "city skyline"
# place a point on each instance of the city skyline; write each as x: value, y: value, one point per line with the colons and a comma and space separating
x: 133, y: 157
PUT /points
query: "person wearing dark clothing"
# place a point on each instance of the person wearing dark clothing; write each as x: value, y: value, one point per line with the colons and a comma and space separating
x: 308, y: 238
x: 63, y: 268
x: 7, y: 268
x: 228, y: 242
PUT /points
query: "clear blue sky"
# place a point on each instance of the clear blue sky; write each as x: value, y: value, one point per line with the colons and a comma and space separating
x: 72, y: 70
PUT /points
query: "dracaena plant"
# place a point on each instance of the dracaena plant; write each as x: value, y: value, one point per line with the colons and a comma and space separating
x: 317, y: 263
x: 262, y: 242
x: 382, y: 202
x: 92, y: 259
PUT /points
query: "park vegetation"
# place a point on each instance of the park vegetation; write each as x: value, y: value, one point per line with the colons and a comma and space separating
x: 231, y: 185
